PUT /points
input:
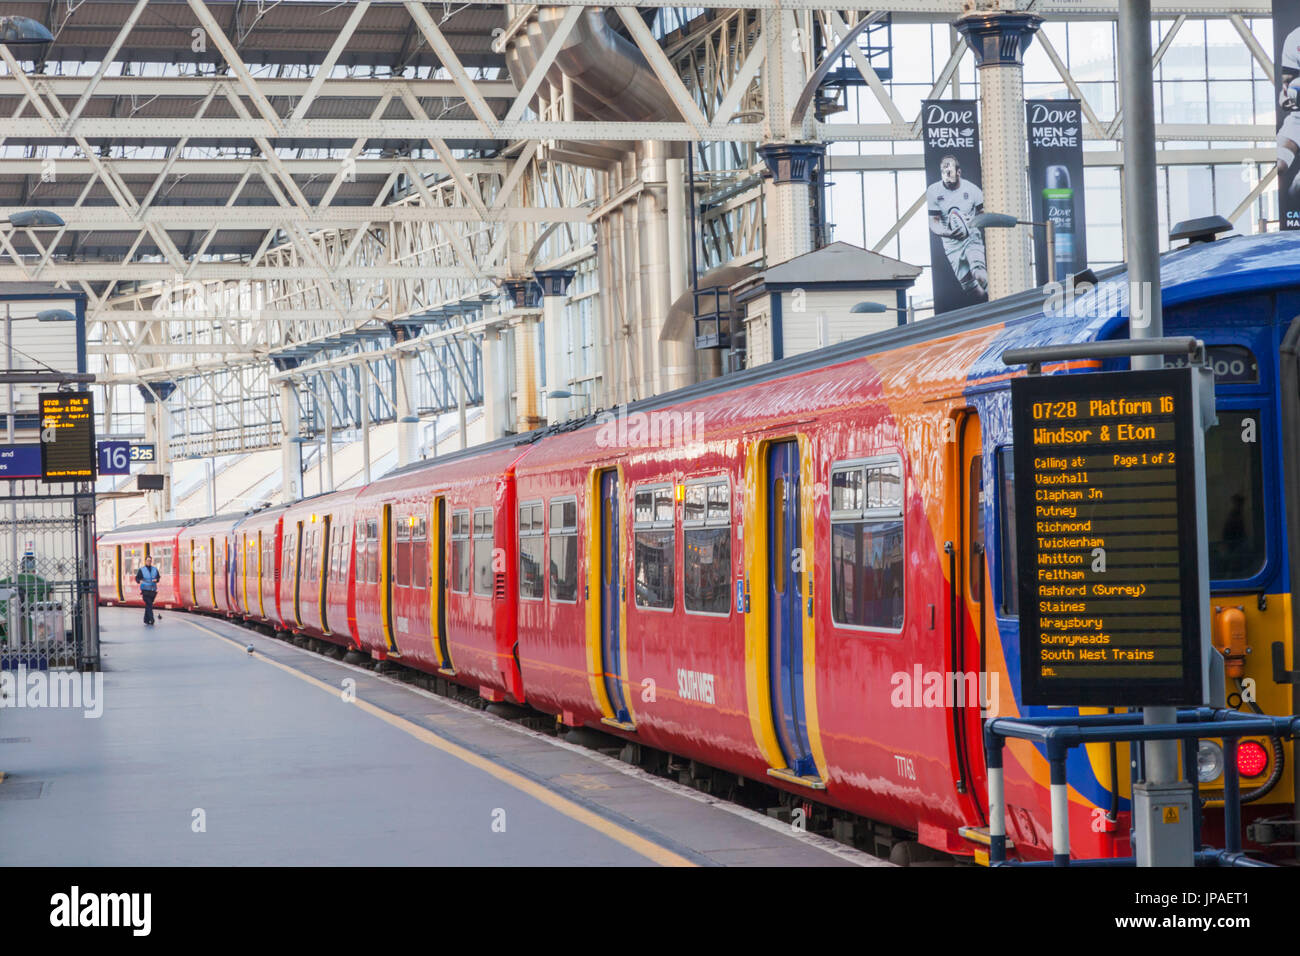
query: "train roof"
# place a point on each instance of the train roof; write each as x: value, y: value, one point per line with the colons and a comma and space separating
x: 135, y: 530
x: 1229, y: 266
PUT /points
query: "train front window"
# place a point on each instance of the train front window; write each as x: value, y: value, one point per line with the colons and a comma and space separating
x: 1234, y: 484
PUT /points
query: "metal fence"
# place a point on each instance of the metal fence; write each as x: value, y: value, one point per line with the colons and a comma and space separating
x: 48, y: 612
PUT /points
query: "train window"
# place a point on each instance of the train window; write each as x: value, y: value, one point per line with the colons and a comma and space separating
x: 1007, y: 525
x: 483, y: 544
x: 419, y: 553
x: 532, y: 530
x: 706, y: 558
x: 372, y: 550
x: 401, y: 551
x: 460, y: 552
x: 655, y: 547
x: 975, y: 527
x: 1235, y: 510
x: 363, y: 551
x: 867, y: 558
x: 564, y: 550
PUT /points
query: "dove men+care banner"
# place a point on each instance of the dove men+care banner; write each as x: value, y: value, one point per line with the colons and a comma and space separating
x: 1286, y: 58
x: 953, y: 198
x: 1056, y: 184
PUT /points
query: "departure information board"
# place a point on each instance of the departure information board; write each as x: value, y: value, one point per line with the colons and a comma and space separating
x: 1109, y: 538
x: 67, y: 436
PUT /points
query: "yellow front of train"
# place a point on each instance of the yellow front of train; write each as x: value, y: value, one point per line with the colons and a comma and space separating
x: 1252, y: 632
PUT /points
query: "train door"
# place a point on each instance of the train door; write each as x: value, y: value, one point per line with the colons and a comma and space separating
x: 261, y: 590
x: 194, y: 591
x: 240, y: 573
x: 386, y: 578
x: 438, y: 584
x: 611, y: 601
x: 212, y: 572
x: 969, y: 628
x: 786, y: 607
x: 297, y: 573
x: 117, y: 566
x: 326, y: 549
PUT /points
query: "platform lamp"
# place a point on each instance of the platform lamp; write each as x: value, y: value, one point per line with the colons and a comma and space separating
x: 999, y: 220
x: 907, y: 315
x: 23, y: 31
x: 24, y: 219
x: 565, y: 393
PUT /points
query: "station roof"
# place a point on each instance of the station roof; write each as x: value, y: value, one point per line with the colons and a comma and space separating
x: 281, y: 42
x: 291, y: 31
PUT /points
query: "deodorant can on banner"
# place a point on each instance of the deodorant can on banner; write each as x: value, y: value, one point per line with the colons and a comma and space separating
x: 1058, y: 206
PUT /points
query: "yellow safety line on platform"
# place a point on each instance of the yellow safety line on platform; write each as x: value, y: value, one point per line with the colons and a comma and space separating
x: 573, y: 811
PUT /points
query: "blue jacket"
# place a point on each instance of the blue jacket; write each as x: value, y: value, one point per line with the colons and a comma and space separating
x: 148, y: 576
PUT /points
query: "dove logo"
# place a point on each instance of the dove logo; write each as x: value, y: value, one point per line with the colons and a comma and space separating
x: 74, y: 909
x: 938, y: 114
x: 1042, y: 113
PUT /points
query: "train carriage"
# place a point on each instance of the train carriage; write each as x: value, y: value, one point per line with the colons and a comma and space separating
x: 258, y: 537
x: 120, y: 553
x: 207, y: 564
x: 466, y: 628
x: 772, y: 574
x: 316, y: 557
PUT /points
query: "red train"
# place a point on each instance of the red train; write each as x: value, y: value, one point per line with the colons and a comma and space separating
x: 760, y: 574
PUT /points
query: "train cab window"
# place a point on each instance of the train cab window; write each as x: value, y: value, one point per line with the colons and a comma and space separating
x: 483, y: 544
x: 655, y: 547
x: 1234, y: 472
x: 460, y: 552
x: 1007, y: 530
x: 706, y: 559
x: 564, y: 550
x: 867, y: 557
x: 532, y: 540
x: 401, y: 551
x: 420, y: 553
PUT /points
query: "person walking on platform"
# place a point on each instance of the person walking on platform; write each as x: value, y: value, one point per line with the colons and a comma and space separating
x: 147, y: 577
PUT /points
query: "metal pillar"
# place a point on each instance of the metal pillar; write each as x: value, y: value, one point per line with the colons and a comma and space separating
x: 212, y: 486
x: 462, y: 425
x: 999, y: 41
x: 788, y: 229
x: 408, y: 424
x: 526, y: 296
x: 1142, y: 219
x: 290, y: 453
x: 495, y: 389
x: 1142, y: 242
x: 327, y: 476
x: 365, y: 422
x: 153, y: 436
x: 555, y: 295
x: 157, y: 432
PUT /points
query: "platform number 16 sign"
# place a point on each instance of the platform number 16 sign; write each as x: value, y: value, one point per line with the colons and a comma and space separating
x: 114, y: 458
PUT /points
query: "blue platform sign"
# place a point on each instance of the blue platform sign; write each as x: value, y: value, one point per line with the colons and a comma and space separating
x: 20, y: 461
x: 115, y: 458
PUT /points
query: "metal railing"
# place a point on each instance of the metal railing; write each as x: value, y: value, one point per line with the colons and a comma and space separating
x: 1060, y: 734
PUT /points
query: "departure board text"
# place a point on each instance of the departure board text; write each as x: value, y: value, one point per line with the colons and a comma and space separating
x: 1105, y: 517
x: 67, y: 436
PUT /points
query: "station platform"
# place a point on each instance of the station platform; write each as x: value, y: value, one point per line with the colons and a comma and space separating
x: 206, y: 755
